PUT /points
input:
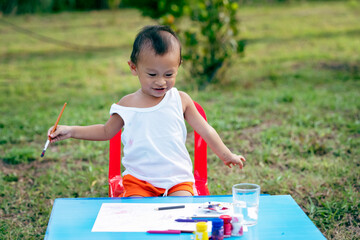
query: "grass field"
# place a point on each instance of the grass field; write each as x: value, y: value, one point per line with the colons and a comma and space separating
x: 290, y: 105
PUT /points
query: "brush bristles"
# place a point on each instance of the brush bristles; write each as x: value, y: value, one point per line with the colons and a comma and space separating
x: 43, y: 153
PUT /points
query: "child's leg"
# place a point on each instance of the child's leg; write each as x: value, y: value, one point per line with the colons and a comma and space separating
x: 180, y: 193
x: 182, y: 189
x: 137, y: 188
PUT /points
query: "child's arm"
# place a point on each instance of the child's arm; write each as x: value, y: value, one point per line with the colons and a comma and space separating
x: 208, y: 133
x: 99, y: 132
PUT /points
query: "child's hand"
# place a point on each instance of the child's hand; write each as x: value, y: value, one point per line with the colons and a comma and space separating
x: 234, y: 160
x: 61, y: 133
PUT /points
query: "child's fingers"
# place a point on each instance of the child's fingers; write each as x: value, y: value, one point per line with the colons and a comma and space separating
x: 54, y: 134
x: 58, y: 138
x: 230, y: 164
x: 59, y: 134
x: 242, y: 158
x: 236, y: 160
x: 49, y: 131
x: 241, y: 161
x: 241, y: 164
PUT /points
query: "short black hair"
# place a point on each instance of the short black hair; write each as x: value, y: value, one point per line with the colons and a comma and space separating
x: 151, y: 36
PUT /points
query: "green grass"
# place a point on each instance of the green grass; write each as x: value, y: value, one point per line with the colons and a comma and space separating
x: 290, y: 106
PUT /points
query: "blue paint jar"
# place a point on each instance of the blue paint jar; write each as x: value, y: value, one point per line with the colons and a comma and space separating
x: 217, y: 232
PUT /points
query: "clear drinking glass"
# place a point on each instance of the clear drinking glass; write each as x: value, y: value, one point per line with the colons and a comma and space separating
x: 246, y: 202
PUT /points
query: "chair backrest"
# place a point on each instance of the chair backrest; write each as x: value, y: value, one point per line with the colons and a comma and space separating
x: 200, y: 163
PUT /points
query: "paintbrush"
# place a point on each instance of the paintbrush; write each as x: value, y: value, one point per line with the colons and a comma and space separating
x: 53, y: 130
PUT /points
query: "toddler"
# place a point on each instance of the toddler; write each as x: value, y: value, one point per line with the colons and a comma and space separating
x: 155, y: 157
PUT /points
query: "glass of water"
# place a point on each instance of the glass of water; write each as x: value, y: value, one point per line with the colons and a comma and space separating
x: 246, y: 202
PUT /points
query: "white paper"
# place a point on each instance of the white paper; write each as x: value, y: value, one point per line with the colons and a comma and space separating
x: 141, y: 217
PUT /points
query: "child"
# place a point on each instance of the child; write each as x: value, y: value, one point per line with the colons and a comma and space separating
x: 155, y: 157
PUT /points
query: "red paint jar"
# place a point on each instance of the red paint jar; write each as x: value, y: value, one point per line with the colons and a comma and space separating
x: 227, y: 225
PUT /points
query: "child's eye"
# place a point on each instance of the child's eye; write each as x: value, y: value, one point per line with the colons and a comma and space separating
x: 152, y: 74
x: 168, y: 75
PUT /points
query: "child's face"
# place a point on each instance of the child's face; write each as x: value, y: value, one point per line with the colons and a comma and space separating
x: 157, y: 73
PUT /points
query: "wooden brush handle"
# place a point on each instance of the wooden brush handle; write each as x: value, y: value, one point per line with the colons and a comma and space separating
x: 58, y: 119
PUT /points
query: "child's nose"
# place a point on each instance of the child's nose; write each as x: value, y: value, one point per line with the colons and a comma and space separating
x: 160, y: 81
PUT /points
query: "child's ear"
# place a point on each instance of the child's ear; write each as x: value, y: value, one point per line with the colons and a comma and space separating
x: 133, y: 68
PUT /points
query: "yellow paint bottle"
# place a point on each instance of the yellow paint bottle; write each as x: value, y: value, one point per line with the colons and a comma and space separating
x: 201, y: 231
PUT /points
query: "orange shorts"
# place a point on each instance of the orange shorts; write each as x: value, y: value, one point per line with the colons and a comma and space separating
x: 134, y: 186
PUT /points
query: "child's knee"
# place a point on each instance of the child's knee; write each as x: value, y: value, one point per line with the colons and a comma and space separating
x: 181, y: 193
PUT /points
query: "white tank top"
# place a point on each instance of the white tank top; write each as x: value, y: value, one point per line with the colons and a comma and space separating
x: 154, y: 142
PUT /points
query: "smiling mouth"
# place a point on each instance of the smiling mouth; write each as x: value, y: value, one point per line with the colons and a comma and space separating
x: 159, y: 89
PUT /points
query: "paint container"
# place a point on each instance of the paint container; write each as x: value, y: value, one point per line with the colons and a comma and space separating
x: 227, y: 225
x: 201, y: 231
x: 237, y: 225
x: 217, y: 232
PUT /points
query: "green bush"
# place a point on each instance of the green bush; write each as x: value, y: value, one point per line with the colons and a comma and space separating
x: 157, y: 9
x: 211, y: 41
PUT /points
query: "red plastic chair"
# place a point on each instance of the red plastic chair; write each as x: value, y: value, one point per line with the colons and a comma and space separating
x: 116, y: 187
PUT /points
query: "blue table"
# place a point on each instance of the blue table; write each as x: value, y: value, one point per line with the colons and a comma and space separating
x: 279, y: 218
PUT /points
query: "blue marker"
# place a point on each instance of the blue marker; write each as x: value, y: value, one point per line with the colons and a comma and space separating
x: 190, y: 220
